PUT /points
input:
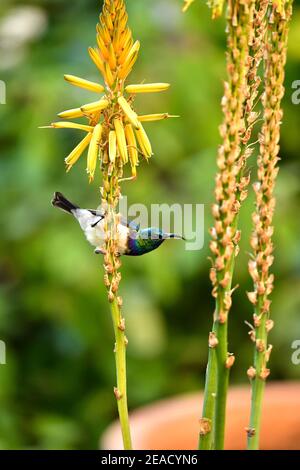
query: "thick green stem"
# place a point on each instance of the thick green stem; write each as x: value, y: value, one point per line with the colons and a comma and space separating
x: 223, y: 361
x: 258, y: 388
x: 222, y: 386
x: 121, y: 389
x: 212, y: 425
x: 206, y: 424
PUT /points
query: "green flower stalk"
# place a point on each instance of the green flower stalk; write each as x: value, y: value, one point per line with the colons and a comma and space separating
x: 114, y: 139
x: 262, y: 258
x: 246, y: 26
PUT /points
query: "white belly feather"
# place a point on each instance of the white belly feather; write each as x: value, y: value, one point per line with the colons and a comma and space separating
x: 95, y: 234
x: 123, y: 233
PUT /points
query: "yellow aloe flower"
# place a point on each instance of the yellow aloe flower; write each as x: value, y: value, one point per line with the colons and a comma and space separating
x: 71, y: 125
x: 76, y: 153
x: 155, y: 117
x: 187, y: 4
x: 112, y: 146
x: 115, y: 134
x: 215, y: 5
x: 94, y: 150
x: 132, y: 146
x: 147, y: 88
x: 81, y: 83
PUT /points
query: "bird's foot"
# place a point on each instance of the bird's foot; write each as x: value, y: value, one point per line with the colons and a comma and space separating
x: 100, y: 251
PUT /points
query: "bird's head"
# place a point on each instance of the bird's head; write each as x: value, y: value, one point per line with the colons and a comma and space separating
x: 153, y: 233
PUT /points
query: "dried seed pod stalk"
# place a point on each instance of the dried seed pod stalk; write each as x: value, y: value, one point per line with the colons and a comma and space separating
x: 246, y: 27
x: 261, y: 261
x: 114, y: 138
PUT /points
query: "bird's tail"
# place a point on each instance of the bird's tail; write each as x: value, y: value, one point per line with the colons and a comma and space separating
x: 60, y: 201
x: 174, y: 236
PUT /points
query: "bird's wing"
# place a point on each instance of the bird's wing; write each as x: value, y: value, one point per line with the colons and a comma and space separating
x: 87, y: 218
x: 125, y: 222
x: 130, y: 224
x: 97, y: 221
x: 96, y: 212
x: 99, y: 216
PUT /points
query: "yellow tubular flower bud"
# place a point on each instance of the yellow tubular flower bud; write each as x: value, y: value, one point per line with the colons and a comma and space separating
x: 109, y: 76
x: 121, y: 140
x: 112, y: 58
x: 127, y: 46
x: 123, y: 21
x: 216, y: 6
x: 128, y: 43
x: 127, y: 39
x: 71, y: 125
x: 132, y: 146
x: 133, y: 171
x: 127, y: 67
x: 108, y: 21
x: 77, y: 152
x: 155, y: 117
x: 147, y: 88
x: 133, y: 51
x: 112, y: 6
x: 104, y: 33
x: 112, y: 146
x: 71, y: 114
x: 95, y: 56
x: 130, y: 114
x: 187, y: 4
x: 82, y: 83
x: 102, y: 47
x: 116, y: 39
x: 95, y: 106
x: 94, y: 151
x: 130, y: 60
x: 144, y: 142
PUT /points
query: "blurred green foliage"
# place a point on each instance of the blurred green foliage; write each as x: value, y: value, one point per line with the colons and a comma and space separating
x: 56, y: 388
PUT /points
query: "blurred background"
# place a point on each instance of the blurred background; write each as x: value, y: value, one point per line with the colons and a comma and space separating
x: 56, y: 388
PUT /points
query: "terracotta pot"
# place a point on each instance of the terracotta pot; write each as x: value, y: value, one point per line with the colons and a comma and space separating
x: 173, y: 423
